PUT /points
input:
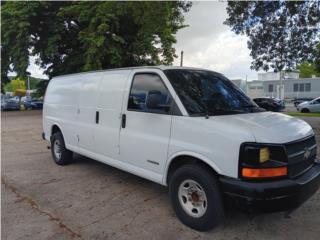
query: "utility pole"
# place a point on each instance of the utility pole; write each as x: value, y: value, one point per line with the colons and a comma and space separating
x: 280, y: 95
x: 28, y: 83
x: 181, y: 59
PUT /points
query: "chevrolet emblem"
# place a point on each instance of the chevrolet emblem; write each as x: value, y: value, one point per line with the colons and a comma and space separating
x: 307, y: 153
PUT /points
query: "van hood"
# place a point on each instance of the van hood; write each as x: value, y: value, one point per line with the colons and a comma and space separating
x: 268, y: 127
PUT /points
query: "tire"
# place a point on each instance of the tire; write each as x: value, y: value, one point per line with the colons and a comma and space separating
x: 61, y: 156
x: 305, y: 110
x: 211, y: 213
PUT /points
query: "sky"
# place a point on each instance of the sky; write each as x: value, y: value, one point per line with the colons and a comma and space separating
x: 207, y: 43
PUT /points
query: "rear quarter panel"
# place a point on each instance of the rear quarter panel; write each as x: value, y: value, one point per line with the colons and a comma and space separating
x: 60, y: 107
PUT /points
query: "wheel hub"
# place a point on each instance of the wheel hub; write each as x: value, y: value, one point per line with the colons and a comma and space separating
x: 192, y: 198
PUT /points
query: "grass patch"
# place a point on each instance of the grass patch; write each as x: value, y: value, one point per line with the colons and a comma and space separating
x: 300, y: 114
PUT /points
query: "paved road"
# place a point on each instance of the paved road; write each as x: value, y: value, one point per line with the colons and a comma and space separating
x: 89, y: 200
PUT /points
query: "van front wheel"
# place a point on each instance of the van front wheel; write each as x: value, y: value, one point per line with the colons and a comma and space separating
x: 60, y: 154
x: 196, y: 198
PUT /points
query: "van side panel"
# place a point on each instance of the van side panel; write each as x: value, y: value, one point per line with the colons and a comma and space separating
x: 110, y: 100
x: 60, y: 108
x: 88, y: 100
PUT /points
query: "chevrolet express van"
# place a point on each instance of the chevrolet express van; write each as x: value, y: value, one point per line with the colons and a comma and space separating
x: 190, y: 129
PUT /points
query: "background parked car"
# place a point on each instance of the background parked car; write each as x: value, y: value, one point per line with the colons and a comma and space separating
x: 297, y: 101
x: 9, y: 104
x: 310, y: 106
x: 33, y: 104
x: 270, y: 104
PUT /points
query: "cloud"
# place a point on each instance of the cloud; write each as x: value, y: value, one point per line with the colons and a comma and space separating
x: 35, y: 70
x: 227, y: 54
x: 208, y: 43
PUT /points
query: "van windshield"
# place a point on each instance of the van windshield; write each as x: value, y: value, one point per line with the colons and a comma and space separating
x: 209, y: 93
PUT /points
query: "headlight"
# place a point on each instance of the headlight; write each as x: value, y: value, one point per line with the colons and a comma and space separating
x: 262, y: 161
x: 264, y: 154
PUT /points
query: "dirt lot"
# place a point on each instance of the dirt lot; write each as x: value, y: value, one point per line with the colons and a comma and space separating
x: 89, y: 200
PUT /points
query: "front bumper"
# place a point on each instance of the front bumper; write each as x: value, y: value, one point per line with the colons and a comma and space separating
x: 273, y: 196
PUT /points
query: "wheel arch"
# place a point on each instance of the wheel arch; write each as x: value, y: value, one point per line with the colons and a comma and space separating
x: 55, y: 127
x: 182, y: 158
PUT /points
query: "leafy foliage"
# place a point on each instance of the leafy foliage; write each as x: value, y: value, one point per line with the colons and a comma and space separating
x: 308, y: 69
x: 41, y: 89
x: 281, y: 34
x: 69, y: 37
x: 34, y: 82
x: 15, y: 84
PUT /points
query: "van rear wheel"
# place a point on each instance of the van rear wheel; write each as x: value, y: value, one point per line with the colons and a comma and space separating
x: 196, y: 198
x: 60, y: 154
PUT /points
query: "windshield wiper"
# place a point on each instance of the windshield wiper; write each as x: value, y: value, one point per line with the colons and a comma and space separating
x: 252, y: 107
x: 249, y: 106
x: 212, y: 112
x: 223, y: 110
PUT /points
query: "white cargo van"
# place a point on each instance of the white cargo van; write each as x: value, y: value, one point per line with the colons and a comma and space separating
x: 190, y: 129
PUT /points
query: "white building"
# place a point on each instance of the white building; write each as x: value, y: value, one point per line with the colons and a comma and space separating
x: 293, y: 88
x: 276, y: 75
x: 255, y: 89
x: 268, y: 85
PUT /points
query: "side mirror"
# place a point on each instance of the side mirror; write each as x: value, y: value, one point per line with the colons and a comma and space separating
x: 154, y: 101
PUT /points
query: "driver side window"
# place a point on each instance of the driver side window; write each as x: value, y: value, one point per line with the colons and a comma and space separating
x: 149, y: 94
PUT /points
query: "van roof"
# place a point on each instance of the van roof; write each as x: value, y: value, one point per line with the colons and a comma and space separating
x: 161, y: 67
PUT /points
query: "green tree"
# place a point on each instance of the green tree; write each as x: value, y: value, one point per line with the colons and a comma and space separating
x: 41, y: 88
x: 69, y: 37
x: 281, y: 34
x: 307, y: 69
x: 15, y: 84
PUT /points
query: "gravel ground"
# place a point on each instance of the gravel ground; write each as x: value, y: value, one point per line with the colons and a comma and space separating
x: 89, y: 200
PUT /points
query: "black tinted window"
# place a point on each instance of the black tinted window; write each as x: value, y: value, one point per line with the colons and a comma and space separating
x: 301, y: 87
x: 148, y: 85
x: 205, y: 92
x: 308, y: 87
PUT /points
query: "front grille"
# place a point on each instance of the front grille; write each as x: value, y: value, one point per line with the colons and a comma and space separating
x: 301, y: 155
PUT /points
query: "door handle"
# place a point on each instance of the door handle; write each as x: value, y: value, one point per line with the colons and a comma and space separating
x: 97, y: 117
x: 123, y: 120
